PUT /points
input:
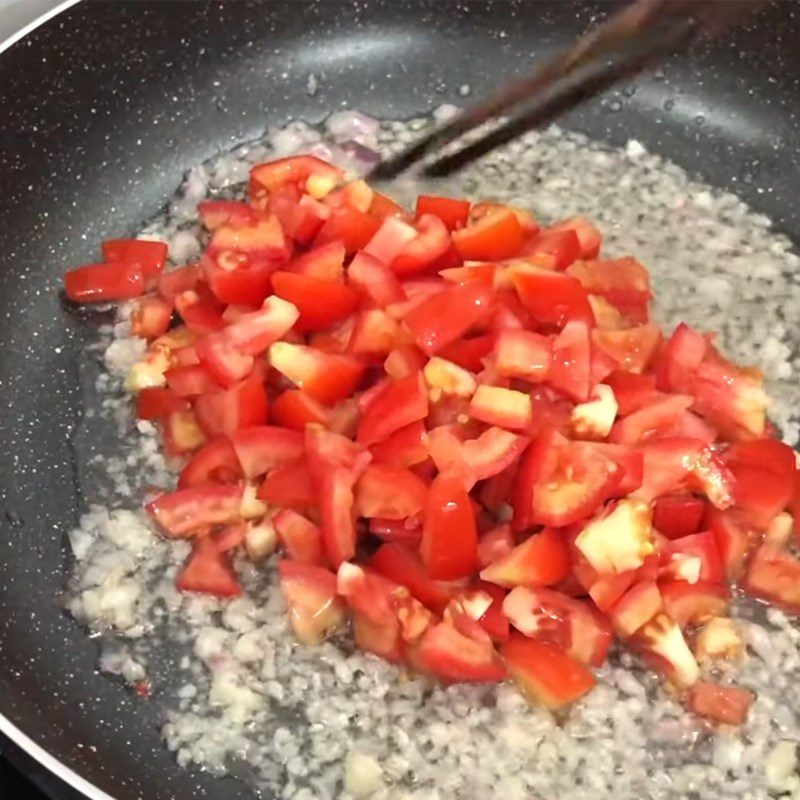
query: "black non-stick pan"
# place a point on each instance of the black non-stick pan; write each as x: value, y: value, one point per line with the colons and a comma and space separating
x: 103, y: 108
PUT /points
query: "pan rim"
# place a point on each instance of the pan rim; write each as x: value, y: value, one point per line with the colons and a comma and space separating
x: 7, y: 727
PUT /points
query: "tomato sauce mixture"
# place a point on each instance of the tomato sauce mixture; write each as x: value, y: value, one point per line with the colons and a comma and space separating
x: 463, y: 432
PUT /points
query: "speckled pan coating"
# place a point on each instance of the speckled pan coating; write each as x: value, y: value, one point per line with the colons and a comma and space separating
x: 102, y: 111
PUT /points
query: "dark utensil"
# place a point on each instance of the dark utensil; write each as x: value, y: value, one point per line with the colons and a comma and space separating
x: 103, y: 110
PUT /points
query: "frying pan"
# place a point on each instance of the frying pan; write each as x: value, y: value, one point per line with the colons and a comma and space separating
x: 106, y: 105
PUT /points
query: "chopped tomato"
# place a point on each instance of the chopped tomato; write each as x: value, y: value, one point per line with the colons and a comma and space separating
x: 295, y: 409
x: 632, y: 349
x: 389, y: 492
x: 327, y: 377
x: 149, y: 256
x: 403, y: 448
x: 308, y: 173
x: 623, y: 282
x: 667, y: 463
x: 262, y: 448
x: 680, y: 359
x: 428, y: 251
x: 650, y: 420
x: 346, y: 225
x: 190, y: 381
x: 494, y: 237
x: 447, y: 315
x: 636, y: 608
x: 469, y: 353
x: 692, y: 558
x: 200, y: 314
x: 289, y: 486
x: 103, y: 283
x: 544, y: 672
x: 227, y: 410
x: 522, y: 354
x: 315, y: 611
x: 182, y: 433
x: 376, y: 333
x: 552, y: 298
x: 184, y: 512
x: 726, y: 704
x: 157, y: 403
x: 177, y: 281
x: 505, y: 408
x: 541, y: 560
x: 560, y: 243
x: 321, y: 303
x: 214, y: 462
x: 632, y: 391
x: 454, y: 213
x: 300, y: 537
x: 449, y: 536
x: 398, y: 404
x: 662, y: 644
x: 570, y: 367
x: 452, y: 656
x: 694, y: 603
x: 774, y: 575
x: 589, y: 237
x: 374, y: 280
x: 207, y: 571
x: 151, y: 317
x: 403, y: 565
x: 561, y: 482
x: 404, y: 531
x: 733, y: 537
x: 325, y: 263
x: 678, y: 515
x: 216, y: 213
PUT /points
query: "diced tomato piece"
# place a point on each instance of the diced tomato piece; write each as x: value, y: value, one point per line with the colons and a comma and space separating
x: 102, y: 283
x: 390, y: 239
x: 149, y: 256
x: 589, y: 237
x: 774, y: 575
x: 326, y: 263
x: 403, y: 565
x: 321, y: 303
x: 449, y: 536
x: 376, y: 333
x: 447, y: 315
x: 544, y: 672
x: 692, y: 558
x: 726, y: 704
x: 262, y: 448
x: 374, y: 280
x: 404, y: 531
x: 494, y: 545
x: 561, y: 482
x: 403, y: 448
x: 632, y: 391
x: 353, y: 228
x: 505, y: 408
x: 678, y: 515
x: 636, y: 608
x: 426, y: 251
x: 570, y: 368
x: 494, y: 237
x: 632, y: 349
x: 177, y: 281
x: 300, y: 537
x: 541, y: 560
x: 482, y: 273
x: 553, y: 298
x: 182, y: 433
x: 452, y: 656
x: 308, y: 173
x: 522, y: 354
x: 389, y: 492
x: 189, y: 381
x: 551, y: 616
x: 667, y: 462
x: 335, y: 464
x: 794, y: 505
x: 694, y: 603
x: 764, y: 476
x: 649, y: 421
x: 469, y: 353
x: 560, y: 243
x: 227, y: 410
x: 680, y: 359
x: 289, y: 486
x: 403, y: 361
x: 315, y: 611
x: 454, y: 213
x: 216, y: 213
x: 208, y: 571
x: 151, y: 317
x: 327, y: 377
x: 399, y: 404
x: 214, y: 462
x: 733, y: 537
x: 157, y: 403
x: 295, y: 409
x: 623, y: 282
x: 630, y: 460
x: 184, y: 512
x: 493, y: 620
x: 383, y: 206
x: 201, y: 314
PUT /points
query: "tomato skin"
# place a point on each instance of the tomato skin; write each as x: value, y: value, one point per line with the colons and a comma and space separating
x: 447, y: 315
x: 541, y: 560
x: 449, y: 546
x: 553, y: 298
x: 399, y: 404
x: 453, y: 213
x: 544, y: 672
x: 101, y: 283
x: 494, y: 237
x: 184, y: 512
x: 321, y: 303
x: 388, y: 492
x: 403, y: 565
x: 156, y: 403
x: 764, y: 477
x: 208, y: 572
x: 678, y: 515
x: 453, y: 657
x: 214, y: 462
x: 149, y: 256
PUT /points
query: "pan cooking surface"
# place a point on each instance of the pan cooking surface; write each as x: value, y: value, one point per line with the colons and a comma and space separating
x: 104, y: 110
